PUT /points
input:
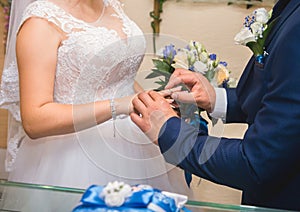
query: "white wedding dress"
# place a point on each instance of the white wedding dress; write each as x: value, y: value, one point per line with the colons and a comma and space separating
x: 96, y: 61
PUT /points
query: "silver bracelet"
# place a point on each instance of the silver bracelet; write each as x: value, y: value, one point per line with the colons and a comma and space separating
x: 113, y: 114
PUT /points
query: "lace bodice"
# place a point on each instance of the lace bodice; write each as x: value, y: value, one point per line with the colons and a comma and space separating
x: 95, y: 61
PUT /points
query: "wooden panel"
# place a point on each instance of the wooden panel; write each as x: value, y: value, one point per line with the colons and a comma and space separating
x: 3, y: 128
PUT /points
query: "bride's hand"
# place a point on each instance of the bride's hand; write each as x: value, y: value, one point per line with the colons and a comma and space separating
x: 124, y: 105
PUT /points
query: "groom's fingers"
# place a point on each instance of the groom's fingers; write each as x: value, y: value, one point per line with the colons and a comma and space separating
x: 145, y: 98
x: 138, y: 105
x: 155, y: 96
x: 175, y: 78
x: 139, y: 121
x: 184, y: 97
x: 189, y: 79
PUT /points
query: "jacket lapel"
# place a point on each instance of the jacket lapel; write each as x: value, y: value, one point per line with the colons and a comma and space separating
x: 290, y: 8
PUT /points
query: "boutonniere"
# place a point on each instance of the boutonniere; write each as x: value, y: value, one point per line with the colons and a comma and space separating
x: 255, y: 32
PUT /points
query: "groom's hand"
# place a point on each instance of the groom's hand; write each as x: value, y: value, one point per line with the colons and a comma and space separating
x: 201, y: 91
x: 152, y: 111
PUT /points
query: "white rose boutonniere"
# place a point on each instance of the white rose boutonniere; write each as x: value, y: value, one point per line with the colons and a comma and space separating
x: 255, y: 31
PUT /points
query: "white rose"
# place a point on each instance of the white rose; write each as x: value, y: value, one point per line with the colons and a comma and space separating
x: 181, y: 60
x: 257, y: 29
x: 244, y: 36
x: 126, y: 190
x: 200, y: 67
x: 262, y: 15
x: 114, y: 199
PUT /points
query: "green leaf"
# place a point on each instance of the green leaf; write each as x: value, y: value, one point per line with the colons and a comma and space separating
x: 163, y: 66
x: 210, y: 75
x: 160, y: 83
x: 261, y: 41
x: 153, y: 74
x: 256, y: 48
x: 161, y: 73
x: 267, y: 31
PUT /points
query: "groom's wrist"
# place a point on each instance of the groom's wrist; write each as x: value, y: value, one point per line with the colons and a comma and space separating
x: 168, y: 133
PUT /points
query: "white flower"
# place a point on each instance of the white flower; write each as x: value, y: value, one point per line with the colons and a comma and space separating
x: 181, y: 60
x: 126, y: 190
x: 198, y: 47
x: 203, y: 57
x: 244, y: 36
x: 200, y: 67
x: 114, y: 199
x: 257, y: 29
x: 114, y: 194
x: 262, y: 15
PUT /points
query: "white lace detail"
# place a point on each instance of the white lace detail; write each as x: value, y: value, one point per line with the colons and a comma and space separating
x: 10, y: 91
x: 93, y: 62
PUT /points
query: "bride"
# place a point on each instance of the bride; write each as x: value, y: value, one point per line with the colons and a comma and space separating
x: 71, y: 81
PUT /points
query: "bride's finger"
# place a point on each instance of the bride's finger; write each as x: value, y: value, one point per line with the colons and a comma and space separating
x: 170, y: 101
x: 168, y: 92
x: 165, y: 93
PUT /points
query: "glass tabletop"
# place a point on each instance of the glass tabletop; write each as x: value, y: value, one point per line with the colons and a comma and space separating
x: 32, y: 197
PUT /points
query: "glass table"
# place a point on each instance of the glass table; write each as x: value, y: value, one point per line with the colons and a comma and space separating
x: 30, y: 198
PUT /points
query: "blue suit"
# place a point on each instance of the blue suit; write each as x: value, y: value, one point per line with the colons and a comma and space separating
x: 265, y: 164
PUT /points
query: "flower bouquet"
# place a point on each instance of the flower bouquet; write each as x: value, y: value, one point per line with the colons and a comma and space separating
x: 118, y: 196
x: 255, y: 31
x: 196, y: 58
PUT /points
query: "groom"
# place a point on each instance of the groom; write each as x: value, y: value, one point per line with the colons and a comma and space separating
x: 265, y: 164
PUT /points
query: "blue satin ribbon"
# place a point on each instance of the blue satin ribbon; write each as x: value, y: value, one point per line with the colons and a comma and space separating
x: 138, y: 201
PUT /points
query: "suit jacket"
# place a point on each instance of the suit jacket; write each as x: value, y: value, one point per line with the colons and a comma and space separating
x: 265, y: 164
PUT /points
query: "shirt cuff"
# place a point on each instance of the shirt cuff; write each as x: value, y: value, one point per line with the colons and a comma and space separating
x: 220, y: 109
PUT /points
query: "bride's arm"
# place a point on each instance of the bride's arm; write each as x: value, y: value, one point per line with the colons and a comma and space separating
x: 137, y: 87
x: 37, y: 45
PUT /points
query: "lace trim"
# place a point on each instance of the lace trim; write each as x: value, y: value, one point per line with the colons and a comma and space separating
x: 10, y: 91
x: 13, y: 147
x: 54, y: 14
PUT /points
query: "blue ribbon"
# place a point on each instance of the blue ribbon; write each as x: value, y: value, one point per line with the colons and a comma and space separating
x: 138, y: 201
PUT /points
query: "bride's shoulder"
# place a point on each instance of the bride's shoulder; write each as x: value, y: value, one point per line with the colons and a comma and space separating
x: 41, y: 8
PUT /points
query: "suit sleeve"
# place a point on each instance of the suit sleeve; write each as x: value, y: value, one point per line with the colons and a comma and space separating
x: 209, y: 157
x: 234, y: 112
